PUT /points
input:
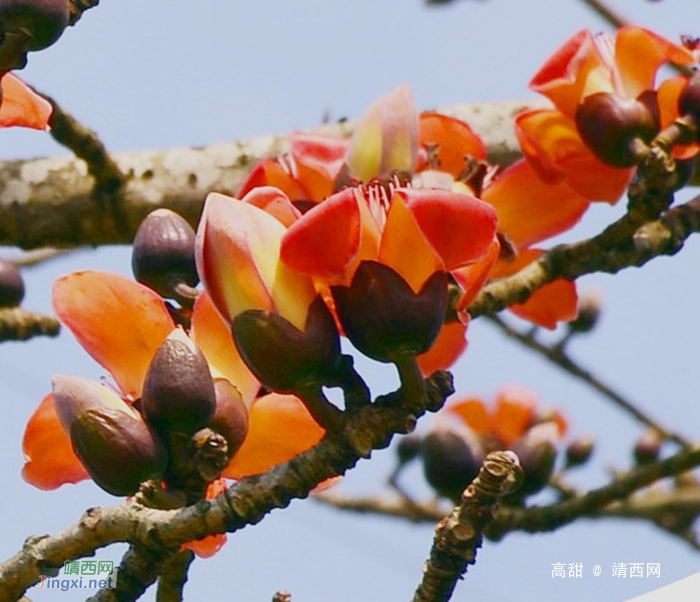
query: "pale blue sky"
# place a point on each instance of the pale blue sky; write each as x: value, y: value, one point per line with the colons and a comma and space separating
x: 169, y: 72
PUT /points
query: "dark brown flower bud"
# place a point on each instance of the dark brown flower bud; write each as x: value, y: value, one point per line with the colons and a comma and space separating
x: 609, y: 123
x: 537, y: 452
x: 589, y: 307
x: 450, y: 461
x: 648, y: 447
x: 689, y: 100
x: 231, y: 416
x: 117, y: 448
x: 11, y: 284
x: 178, y: 392
x: 163, y: 254
x: 384, y: 318
x: 409, y: 447
x: 284, y: 358
x: 579, y: 451
x: 43, y: 21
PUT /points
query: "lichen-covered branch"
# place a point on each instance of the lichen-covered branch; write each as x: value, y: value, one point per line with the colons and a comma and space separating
x: 17, y: 324
x: 245, y: 503
x: 459, y: 535
x: 50, y: 202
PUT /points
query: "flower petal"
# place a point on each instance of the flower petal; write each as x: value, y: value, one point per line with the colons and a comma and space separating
x: 555, y: 302
x: 513, y: 414
x: 318, y: 159
x: 280, y: 427
x: 459, y: 227
x: 667, y: 98
x: 326, y: 240
x: 119, y: 322
x: 552, y: 145
x: 386, y: 138
x: 446, y: 350
x: 49, y: 460
x: 471, y: 278
x: 21, y: 106
x: 474, y: 414
x: 271, y: 172
x: 454, y: 140
x: 275, y: 202
x: 530, y: 209
x: 213, y: 336
x: 210, y: 545
x: 638, y: 55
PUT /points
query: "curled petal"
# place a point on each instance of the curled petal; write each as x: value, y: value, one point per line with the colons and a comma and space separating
x: 386, y: 138
x: 21, y: 106
x: 638, y: 55
x: 453, y: 140
x: 49, y: 460
x: 271, y: 172
x: 213, y: 336
x: 471, y: 278
x: 275, y: 202
x: 531, y: 210
x: 119, y: 322
x: 552, y: 145
x: 318, y: 159
x: 238, y: 258
x: 280, y: 427
x: 575, y: 69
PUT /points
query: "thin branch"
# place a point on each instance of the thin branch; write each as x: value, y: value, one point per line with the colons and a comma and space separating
x: 537, y: 519
x: 38, y: 256
x: 623, y: 244
x: 244, y: 503
x: 459, y: 536
x: 607, y: 13
x: 17, y: 324
x: 559, y: 357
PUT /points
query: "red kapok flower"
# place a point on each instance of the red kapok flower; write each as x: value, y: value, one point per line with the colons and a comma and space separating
x: 21, y: 106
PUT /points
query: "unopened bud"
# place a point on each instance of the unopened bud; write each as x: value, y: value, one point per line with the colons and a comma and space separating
x: 647, y: 448
x: 231, y: 416
x: 118, y: 449
x: 11, y: 284
x: 537, y: 452
x: 163, y: 254
x: 579, y: 451
x: 609, y: 123
x: 450, y: 462
x: 409, y: 447
x: 589, y: 309
x: 178, y: 392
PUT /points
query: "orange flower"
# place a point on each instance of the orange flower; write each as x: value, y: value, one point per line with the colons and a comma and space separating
x: 121, y: 324
x: 624, y: 68
x: 21, y: 106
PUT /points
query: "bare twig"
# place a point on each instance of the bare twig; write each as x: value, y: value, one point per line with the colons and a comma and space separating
x: 459, y: 535
x: 559, y: 357
x: 612, y: 17
x: 174, y: 576
x: 17, y: 324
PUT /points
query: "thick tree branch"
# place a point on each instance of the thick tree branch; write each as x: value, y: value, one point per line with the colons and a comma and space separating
x: 50, y: 201
x: 245, y: 503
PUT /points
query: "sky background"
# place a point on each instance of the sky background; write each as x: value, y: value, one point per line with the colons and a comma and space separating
x: 166, y: 73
